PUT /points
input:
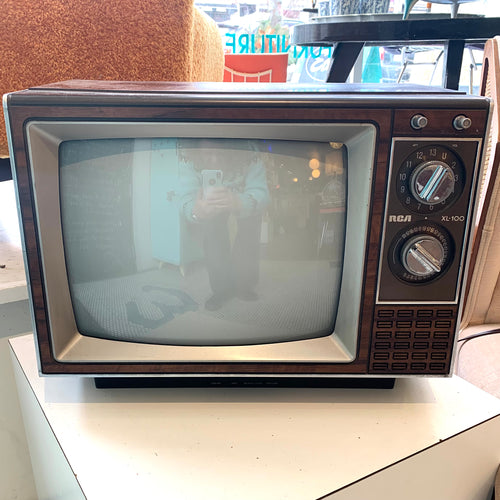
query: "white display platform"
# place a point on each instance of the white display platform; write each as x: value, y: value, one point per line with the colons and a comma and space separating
x: 435, y: 439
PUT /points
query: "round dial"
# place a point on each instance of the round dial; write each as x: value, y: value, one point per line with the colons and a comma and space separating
x: 432, y: 182
x: 421, y: 253
x: 430, y: 179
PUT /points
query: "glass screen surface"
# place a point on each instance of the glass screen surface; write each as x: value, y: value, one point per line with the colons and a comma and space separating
x: 203, y: 241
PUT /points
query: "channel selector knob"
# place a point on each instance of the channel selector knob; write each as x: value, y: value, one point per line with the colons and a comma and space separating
x: 432, y: 182
x: 423, y: 256
x: 430, y: 179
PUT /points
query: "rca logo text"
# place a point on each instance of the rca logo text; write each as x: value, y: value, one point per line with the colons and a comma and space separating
x: 399, y: 218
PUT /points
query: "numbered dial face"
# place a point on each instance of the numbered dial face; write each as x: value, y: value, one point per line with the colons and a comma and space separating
x: 421, y: 253
x: 430, y: 179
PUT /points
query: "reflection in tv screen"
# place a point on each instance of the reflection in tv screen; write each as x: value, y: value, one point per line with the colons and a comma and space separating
x: 203, y: 241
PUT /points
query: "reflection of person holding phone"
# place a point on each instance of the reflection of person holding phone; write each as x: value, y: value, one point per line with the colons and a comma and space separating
x: 221, y: 177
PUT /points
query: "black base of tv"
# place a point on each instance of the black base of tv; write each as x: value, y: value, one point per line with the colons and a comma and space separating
x: 5, y: 172
x: 313, y: 382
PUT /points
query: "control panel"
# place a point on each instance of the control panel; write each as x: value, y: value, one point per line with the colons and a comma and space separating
x: 428, y: 209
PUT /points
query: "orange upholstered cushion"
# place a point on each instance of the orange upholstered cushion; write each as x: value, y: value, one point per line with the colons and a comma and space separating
x: 45, y: 41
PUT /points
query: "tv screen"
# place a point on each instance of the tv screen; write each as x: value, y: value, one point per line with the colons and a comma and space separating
x: 203, y: 241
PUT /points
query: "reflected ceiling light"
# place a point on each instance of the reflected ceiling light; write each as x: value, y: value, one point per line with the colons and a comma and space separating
x: 313, y: 163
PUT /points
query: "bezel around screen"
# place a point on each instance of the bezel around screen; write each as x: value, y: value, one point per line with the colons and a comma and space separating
x: 70, y: 346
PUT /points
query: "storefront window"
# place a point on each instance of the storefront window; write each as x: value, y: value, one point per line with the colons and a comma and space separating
x: 264, y: 26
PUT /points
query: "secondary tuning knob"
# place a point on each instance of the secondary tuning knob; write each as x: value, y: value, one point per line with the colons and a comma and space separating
x: 421, y: 252
x: 423, y: 256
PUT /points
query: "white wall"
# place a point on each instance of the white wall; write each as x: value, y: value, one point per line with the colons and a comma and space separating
x: 16, y: 478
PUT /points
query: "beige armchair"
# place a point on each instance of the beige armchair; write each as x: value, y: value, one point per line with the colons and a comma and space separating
x: 483, y: 301
x: 46, y: 41
x: 479, y: 362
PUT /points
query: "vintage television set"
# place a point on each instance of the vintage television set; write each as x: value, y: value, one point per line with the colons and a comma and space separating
x: 210, y: 233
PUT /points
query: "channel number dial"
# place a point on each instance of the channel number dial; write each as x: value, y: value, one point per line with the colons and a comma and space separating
x: 430, y: 179
x: 421, y: 253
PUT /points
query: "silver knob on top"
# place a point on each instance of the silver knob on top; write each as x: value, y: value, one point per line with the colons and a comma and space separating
x: 418, y: 122
x: 462, y: 122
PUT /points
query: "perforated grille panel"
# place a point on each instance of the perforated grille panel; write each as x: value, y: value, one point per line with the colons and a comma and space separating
x: 408, y: 340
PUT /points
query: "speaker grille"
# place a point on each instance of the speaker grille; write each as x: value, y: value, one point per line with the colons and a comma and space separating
x: 409, y: 340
